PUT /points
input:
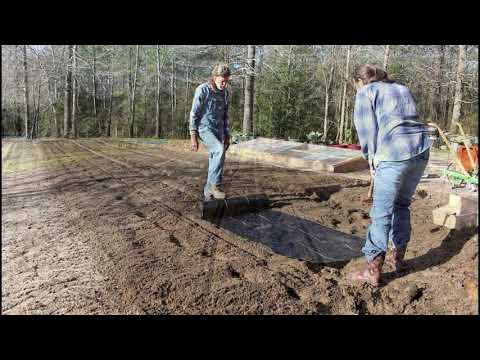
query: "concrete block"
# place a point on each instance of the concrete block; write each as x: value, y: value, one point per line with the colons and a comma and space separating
x: 463, y: 203
x: 448, y: 217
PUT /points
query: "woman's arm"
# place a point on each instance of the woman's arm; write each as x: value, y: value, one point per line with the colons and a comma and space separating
x: 366, y: 124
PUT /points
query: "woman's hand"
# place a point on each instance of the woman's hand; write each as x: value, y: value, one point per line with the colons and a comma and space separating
x: 194, y: 142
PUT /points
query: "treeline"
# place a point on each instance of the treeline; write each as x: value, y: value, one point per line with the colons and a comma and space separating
x: 277, y: 91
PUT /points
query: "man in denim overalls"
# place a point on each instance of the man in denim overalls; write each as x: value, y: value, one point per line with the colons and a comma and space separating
x: 209, y: 122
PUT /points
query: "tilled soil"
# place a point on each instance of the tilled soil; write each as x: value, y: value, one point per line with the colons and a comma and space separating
x: 108, y: 227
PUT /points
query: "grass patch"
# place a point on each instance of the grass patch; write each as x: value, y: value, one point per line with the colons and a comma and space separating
x: 12, y: 166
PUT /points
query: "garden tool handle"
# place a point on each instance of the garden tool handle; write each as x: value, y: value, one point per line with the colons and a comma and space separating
x: 372, y: 182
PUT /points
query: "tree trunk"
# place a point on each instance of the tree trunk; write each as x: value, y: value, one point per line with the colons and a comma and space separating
x: 328, y: 85
x: 145, y: 105
x: 104, y: 94
x: 172, y: 97
x: 74, y: 93
x: 55, y: 95
x: 325, y: 119
x: 18, y: 116
x: 25, y: 93
x: 385, y: 58
x: 134, y: 87
x: 289, y: 64
x: 457, y: 107
x: 441, y: 115
x: 36, y: 111
x: 338, y: 106
x: 94, y: 87
x: 249, y: 92
x: 187, y: 88
x: 18, y: 119
x: 348, y: 123
x: 110, y: 106
x: 340, y: 137
x: 49, y: 94
x: 158, y: 128
x: 67, y: 113
x: 130, y: 87
x: 436, y: 92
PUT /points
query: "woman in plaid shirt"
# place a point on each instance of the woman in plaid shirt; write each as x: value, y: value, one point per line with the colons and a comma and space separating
x: 396, y: 146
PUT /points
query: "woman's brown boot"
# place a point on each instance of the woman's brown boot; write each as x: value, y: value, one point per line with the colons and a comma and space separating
x: 371, y: 273
x: 398, y: 254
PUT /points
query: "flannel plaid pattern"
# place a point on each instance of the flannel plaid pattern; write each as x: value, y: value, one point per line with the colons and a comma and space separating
x: 385, y: 117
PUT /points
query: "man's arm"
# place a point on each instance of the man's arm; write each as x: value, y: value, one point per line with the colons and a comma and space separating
x: 197, y: 107
x: 195, y: 115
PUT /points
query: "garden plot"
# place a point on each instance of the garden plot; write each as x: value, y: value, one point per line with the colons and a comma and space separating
x: 101, y: 227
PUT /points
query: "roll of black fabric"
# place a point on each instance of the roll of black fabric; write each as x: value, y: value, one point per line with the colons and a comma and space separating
x: 214, y: 209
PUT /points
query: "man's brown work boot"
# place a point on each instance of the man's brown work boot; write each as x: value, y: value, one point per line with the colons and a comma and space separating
x: 216, y: 192
x: 371, y: 273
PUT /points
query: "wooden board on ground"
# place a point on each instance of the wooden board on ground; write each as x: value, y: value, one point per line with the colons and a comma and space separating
x: 300, y: 155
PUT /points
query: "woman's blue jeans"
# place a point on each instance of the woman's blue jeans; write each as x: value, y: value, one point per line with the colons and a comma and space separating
x: 395, y: 184
x: 216, y: 157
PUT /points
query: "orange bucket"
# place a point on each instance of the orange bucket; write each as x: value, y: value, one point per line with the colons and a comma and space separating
x: 463, y: 156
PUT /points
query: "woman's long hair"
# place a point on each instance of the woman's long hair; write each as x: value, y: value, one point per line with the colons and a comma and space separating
x: 369, y: 74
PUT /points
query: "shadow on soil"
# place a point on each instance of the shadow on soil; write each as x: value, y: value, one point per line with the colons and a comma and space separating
x: 450, y: 247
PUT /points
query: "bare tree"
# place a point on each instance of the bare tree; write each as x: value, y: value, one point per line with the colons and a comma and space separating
x: 18, y: 117
x: 74, y: 93
x: 110, y: 105
x: 439, y: 111
x: 132, y: 96
x: 173, y: 97
x: 187, y: 88
x: 158, y: 127
x: 340, y: 134
x: 67, y: 113
x: 94, y: 85
x: 57, y: 121
x: 36, y: 111
x: 328, y: 84
x: 289, y: 101
x: 385, y: 58
x: 436, y: 93
x: 457, y: 105
x: 145, y: 104
x: 26, y: 95
x: 249, y: 91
